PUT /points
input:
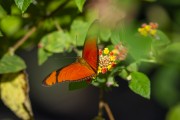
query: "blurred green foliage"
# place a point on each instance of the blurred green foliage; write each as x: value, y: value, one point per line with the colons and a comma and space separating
x: 62, y: 25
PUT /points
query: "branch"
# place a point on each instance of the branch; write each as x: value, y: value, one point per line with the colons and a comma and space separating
x: 23, y: 39
x: 34, y: 28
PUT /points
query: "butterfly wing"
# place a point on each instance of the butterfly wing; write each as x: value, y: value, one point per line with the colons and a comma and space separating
x: 73, y: 72
x: 90, y: 50
x: 90, y: 53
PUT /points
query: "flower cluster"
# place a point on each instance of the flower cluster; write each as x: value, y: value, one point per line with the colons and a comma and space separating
x: 148, y: 29
x: 108, y: 59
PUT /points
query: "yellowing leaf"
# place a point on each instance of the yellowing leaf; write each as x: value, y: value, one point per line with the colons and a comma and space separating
x: 14, y: 94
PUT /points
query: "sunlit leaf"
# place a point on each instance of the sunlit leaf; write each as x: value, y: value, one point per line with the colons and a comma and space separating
x: 43, y: 55
x: 11, y: 63
x: 140, y: 84
x: 14, y: 94
x: 174, y: 113
x: 77, y: 85
x: 23, y: 4
x: 80, y: 4
x: 56, y: 42
x: 78, y: 31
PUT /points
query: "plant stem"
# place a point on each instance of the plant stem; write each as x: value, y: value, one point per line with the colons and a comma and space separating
x: 105, y: 105
x: 24, y: 38
x: 100, y: 112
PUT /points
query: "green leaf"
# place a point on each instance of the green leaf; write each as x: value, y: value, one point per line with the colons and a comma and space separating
x: 140, y: 84
x: 132, y: 67
x: 139, y: 46
x: 1, y: 34
x: 11, y: 63
x: 101, y: 79
x: 7, y: 4
x: 23, y: 4
x: 124, y: 74
x: 43, y: 55
x: 2, y: 12
x: 56, y: 42
x: 115, y: 37
x: 77, y: 85
x: 78, y: 31
x: 10, y: 25
x: 80, y: 4
x: 14, y: 94
x: 161, y: 39
x: 174, y: 113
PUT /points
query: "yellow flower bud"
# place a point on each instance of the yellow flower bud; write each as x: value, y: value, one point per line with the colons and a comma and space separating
x: 153, y: 32
x: 147, y: 28
x: 109, y: 67
x: 106, y: 51
x: 113, y: 58
x: 99, y: 69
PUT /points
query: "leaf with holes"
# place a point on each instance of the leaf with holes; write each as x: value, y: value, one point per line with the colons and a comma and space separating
x: 14, y: 94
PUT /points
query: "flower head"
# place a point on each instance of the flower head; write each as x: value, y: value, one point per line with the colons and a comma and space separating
x: 108, y: 59
x: 148, y: 29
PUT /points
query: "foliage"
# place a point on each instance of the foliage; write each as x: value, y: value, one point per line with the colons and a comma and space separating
x: 61, y: 26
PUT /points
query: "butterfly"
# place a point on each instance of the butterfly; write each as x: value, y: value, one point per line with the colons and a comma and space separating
x: 84, y: 68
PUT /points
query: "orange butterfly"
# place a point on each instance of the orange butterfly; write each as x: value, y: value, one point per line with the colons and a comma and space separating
x: 84, y: 68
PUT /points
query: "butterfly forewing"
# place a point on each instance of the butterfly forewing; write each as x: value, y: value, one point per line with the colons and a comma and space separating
x: 90, y: 52
x: 73, y: 72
